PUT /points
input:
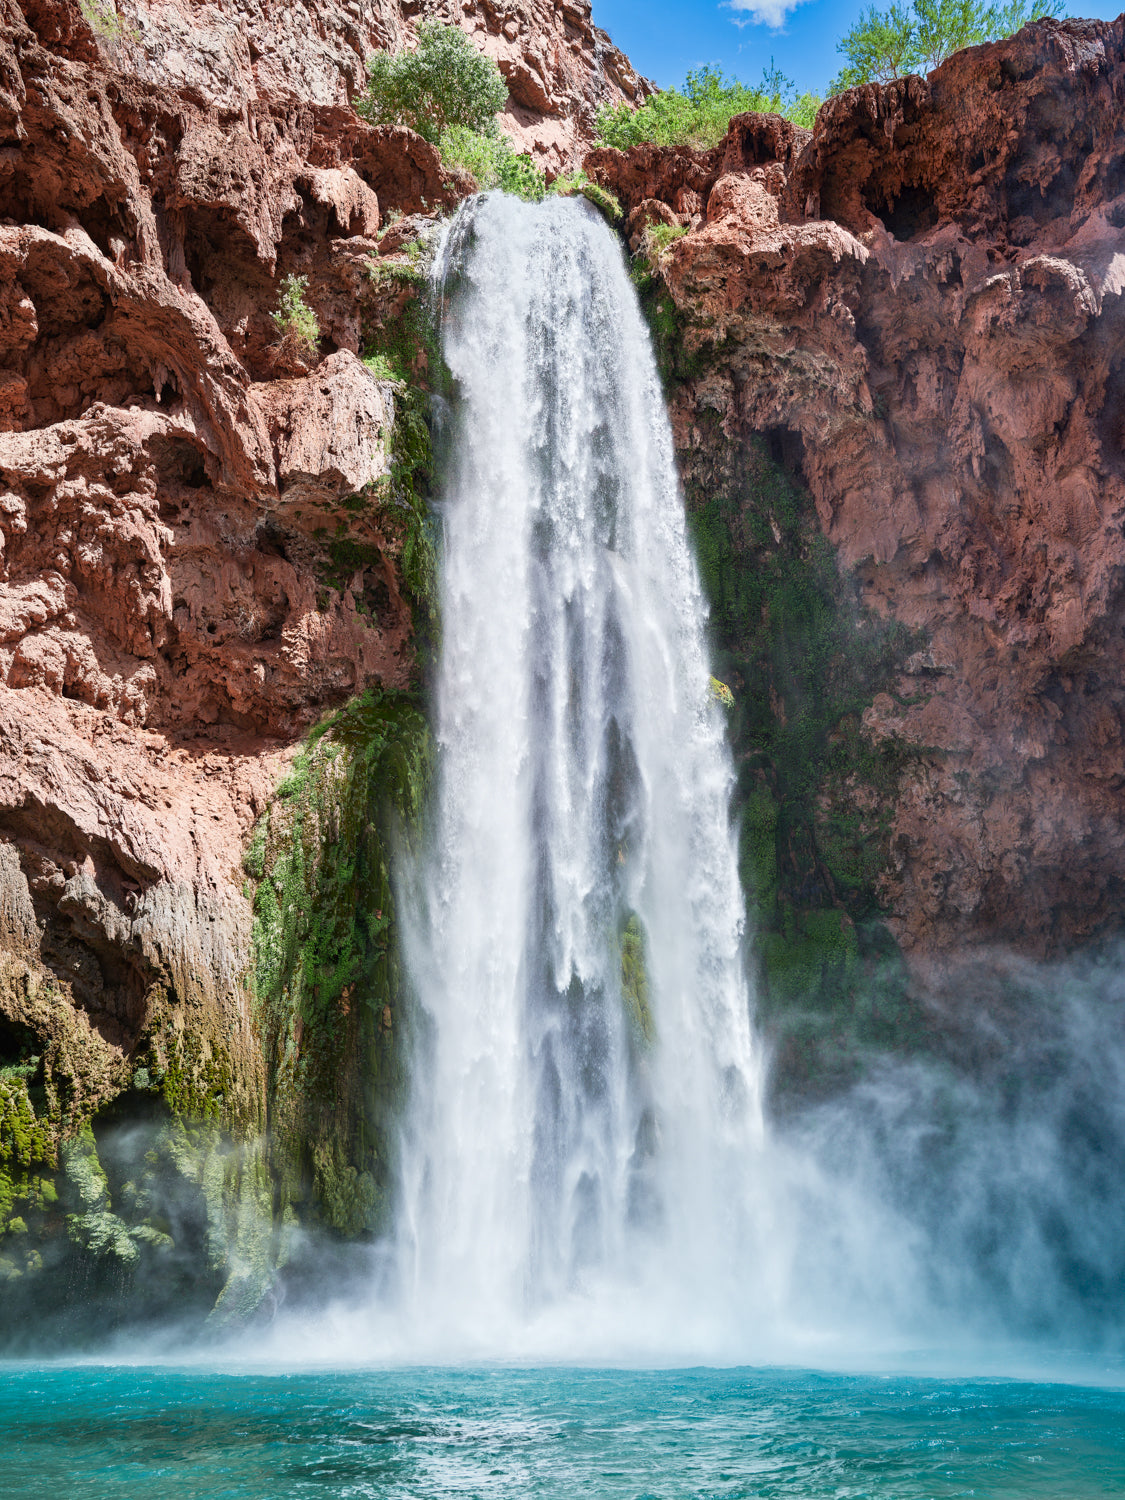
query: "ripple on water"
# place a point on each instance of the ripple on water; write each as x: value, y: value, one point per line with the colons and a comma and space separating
x: 109, y: 1433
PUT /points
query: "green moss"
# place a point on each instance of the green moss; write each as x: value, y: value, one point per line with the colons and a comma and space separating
x: 577, y: 184
x: 676, y: 359
x: 634, y: 982
x: 401, y: 346
x: 805, y: 661
x: 399, y: 336
x: 815, y: 795
x: 327, y: 978
x: 809, y: 954
x: 26, y: 1143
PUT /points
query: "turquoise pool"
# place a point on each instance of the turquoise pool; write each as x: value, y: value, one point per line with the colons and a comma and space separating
x: 410, y: 1434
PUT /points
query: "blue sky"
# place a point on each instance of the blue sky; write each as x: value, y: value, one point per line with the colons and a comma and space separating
x: 664, y: 38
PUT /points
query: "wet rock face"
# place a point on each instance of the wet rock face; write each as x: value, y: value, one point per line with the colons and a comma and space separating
x: 921, y: 305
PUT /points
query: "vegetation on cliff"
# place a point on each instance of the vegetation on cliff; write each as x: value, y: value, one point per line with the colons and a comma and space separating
x: 815, y: 794
x: 888, y: 44
x: 296, y: 323
x: 881, y: 46
x: 700, y: 112
x: 121, y: 1208
x: 451, y: 95
x: 328, y: 980
x: 443, y: 83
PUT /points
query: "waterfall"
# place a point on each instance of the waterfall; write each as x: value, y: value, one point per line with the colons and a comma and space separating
x: 586, y: 1084
x: 584, y: 1172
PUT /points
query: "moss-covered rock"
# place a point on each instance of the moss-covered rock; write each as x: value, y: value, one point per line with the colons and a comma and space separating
x: 815, y: 793
x: 328, y: 978
x: 634, y: 982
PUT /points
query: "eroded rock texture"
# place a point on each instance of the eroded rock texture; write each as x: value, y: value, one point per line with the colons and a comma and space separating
x: 920, y: 306
x: 203, y: 539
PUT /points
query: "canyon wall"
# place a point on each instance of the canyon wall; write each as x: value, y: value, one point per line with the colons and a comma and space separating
x: 211, y: 536
x: 892, y: 353
x: 916, y: 314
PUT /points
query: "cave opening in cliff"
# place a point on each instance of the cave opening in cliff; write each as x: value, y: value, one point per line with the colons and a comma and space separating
x: 786, y: 447
x: 20, y: 1045
x: 905, y: 211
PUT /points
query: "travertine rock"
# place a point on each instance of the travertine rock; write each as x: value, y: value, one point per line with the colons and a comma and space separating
x: 175, y: 478
x: 926, y: 296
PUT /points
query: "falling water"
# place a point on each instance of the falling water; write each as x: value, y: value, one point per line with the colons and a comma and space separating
x: 585, y: 1172
x: 587, y: 1094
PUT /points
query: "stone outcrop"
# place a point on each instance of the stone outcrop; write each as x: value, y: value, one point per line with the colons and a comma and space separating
x: 920, y: 306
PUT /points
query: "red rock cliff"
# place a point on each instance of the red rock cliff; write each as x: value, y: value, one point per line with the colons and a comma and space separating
x: 923, y: 302
x: 185, y: 582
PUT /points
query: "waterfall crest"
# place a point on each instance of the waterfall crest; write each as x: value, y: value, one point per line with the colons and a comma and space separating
x: 586, y: 1084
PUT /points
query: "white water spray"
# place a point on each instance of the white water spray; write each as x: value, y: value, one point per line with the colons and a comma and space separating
x: 555, y: 1150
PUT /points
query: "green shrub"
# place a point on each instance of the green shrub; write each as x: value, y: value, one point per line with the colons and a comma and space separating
x: 381, y: 367
x: 103, y: 20
x: 444, y: 82
x: 656, y: 239
x: 888, y: 44
x: 699, y: 114
x: 489, y: 158
x: 295, y: 320
x: 474, y: 152
x: 518, y: 174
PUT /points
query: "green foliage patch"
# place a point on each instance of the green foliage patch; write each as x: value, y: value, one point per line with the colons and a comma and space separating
x: 294, y: 319
x: 327, y: 973
x: 634, y: 982
x: 654, y: 242
x: 444, y: 83
x: 888, y: 44
x: 488, y: 157
x: 700, y: 113
x: 27, y: 1150
x: 574, y: 184
x: 102, y: 18
x: 401, y: 347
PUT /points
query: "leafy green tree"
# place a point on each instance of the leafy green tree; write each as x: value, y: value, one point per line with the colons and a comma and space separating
x: 444, y: 82
x: 888, y: 44
x: 700, y: 112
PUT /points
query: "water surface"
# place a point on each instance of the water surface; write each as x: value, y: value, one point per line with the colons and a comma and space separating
x: 414, y: 1434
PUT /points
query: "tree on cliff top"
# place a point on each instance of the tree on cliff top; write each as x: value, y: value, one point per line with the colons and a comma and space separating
x: 888, y: 44
x: 444, y: 82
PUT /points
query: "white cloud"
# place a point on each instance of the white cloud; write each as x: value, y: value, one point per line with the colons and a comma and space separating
x: 771, y: 13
